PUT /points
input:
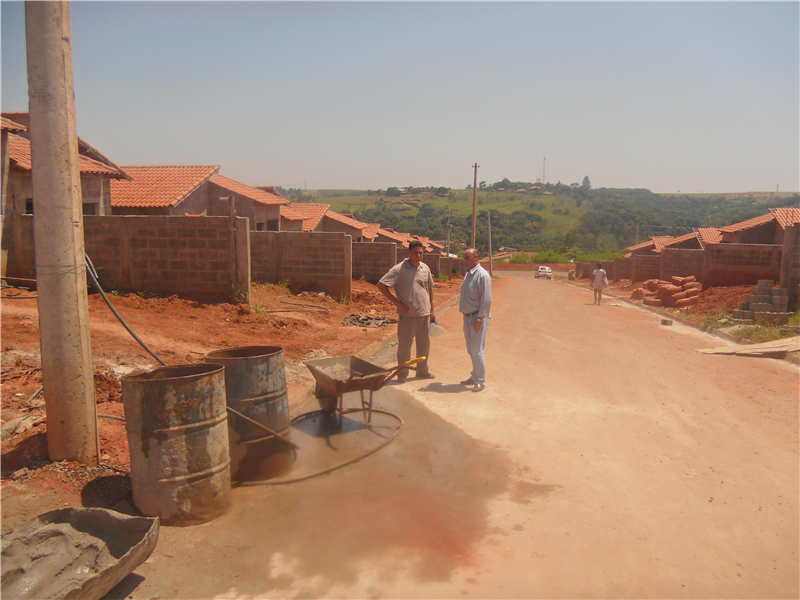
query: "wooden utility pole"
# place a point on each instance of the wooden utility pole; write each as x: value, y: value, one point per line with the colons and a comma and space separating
x: 448, y: 231
x: 66, y: 345
x: 474, y: 203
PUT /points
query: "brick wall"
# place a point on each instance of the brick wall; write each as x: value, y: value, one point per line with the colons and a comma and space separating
x: 199, y: 259
x: 790, y: 262
x: 371, y: 260
x: 740, y: 264
x: 645, y: 266
x: 433, y: 261
x: 623, y: 268
x: 682, y: 263
x: 310, y: 261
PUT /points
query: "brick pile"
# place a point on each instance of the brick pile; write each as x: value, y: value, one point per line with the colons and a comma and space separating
x: 679, y: 292
x: 767, y: 305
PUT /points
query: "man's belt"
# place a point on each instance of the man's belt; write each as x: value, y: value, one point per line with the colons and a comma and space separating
x: 472, y: 314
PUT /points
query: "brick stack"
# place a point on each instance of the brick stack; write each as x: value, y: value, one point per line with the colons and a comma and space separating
x: 767, y: 305
x: 680, y: 292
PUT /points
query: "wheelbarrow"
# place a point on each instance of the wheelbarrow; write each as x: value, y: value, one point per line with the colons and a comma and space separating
x: 339, y: 375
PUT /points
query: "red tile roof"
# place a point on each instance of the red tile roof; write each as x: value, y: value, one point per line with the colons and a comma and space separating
x: 288, y: 213
x: 786, y: 216
x: 246, y: 191
x: 269, y: 188
x: 749, y: 224
x: 160, y: 185
x: 709, y: 235
x: 345, y: 220
x: 314, y: 211
x: 371, y: 231
x: 660, y: 240
x: 9, y: 125
x: 676, y: 240
x: 19, y: 151
x: 393, y: 235
x: 642, y: 246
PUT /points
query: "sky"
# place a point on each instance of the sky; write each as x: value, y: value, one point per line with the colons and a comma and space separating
x: 670, y: 96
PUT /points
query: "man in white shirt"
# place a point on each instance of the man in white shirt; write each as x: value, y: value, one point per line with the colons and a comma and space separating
x: 412, y: 281
x: 475, y: 304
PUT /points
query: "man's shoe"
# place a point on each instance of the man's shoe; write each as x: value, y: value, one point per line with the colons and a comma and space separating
x: 468, y: 382
x: 479, y: 387
x: 427, y: 375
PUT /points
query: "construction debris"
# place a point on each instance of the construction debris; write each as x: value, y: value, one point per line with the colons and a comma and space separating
x: 774, y: 349
x: 767, y: 305
x: 367, y: 321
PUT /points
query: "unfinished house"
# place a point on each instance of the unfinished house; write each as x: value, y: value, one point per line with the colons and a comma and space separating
x: 291, y: 219
x: 165, y: 191
x: 314, y: 215
x: 96, y: 170
x: 261, y: 207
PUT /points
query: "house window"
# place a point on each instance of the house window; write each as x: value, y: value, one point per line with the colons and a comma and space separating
x: 272, y: 225
x: 260, y: 226
x: 90, y: 208
x: 28, y: 206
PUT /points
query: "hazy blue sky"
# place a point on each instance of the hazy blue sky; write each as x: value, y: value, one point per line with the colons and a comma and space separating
x: 668, y: 96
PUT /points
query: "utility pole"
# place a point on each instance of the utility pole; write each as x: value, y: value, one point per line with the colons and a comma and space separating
x: 448, y: 231
x: 66, y: 347
x: 474, y: 203
x: 544, y: 160
x: 637, y: 233
x: 491, y: 271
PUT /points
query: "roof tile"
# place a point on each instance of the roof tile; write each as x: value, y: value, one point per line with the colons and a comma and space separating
x: 19, y: 151
x: 314, y: 211
x: 159, y: 186
x: 254, y: 194
x: 786, y: 216
x: 748, y: 224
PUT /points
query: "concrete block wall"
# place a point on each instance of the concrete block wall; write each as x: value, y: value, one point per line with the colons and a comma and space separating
x: 18, y: 247
x: 790, y: 262
x: 623, y: 268
x: 310, y: 261
x: 371, y: 260
x: 646, y: 266
x: 741, y: 264
x: 681, y: 263
x: 433, y: 260
x: 204, y: 259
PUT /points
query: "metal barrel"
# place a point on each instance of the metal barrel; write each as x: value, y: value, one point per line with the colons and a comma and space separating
x: 178, y: 438
x: 255, y: 381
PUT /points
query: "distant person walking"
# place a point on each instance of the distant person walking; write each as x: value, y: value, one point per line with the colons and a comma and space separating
x: 599, y: 282
x: 475, y: 304
x: 412, y: 281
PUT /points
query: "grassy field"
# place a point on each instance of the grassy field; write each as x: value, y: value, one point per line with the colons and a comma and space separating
x: 560, y: 213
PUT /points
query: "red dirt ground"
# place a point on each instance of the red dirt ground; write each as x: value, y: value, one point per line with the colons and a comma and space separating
x: 180, y: 332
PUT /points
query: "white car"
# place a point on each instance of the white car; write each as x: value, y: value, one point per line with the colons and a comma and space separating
x: 544, y: 272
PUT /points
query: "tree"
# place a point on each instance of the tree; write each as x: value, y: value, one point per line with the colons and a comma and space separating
x: 586, y: 185
x: 393, y: 191
x: 482, y: 185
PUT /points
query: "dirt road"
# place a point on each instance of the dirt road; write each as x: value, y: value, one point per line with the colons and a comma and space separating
x: 606, y: 458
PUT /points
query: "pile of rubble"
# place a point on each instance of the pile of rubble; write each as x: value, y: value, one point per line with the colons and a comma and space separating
x: 680, y: 292
x: 767, y: 305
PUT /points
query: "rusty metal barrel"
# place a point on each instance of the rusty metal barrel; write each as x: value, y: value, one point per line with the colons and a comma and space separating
x: 255, y: 382
x: 176, y: 421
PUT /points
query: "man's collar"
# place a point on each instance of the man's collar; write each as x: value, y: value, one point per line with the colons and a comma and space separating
x: 472, y: 270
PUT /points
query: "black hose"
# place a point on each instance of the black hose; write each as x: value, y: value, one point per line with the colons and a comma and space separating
x: 93, y: 276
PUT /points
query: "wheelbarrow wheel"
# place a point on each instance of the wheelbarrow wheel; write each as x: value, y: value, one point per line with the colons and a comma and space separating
x: 327, y: 401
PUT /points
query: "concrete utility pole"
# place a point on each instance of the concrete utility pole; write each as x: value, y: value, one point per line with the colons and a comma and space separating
x: 58, y: 230
x: 448, y: 231
x: 491, y: 269
x: 544, y: 160
x: 474, y: 203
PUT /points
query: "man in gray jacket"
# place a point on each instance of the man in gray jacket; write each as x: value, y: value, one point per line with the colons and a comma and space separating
x: 475, y: 304
x: 412, y: 281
